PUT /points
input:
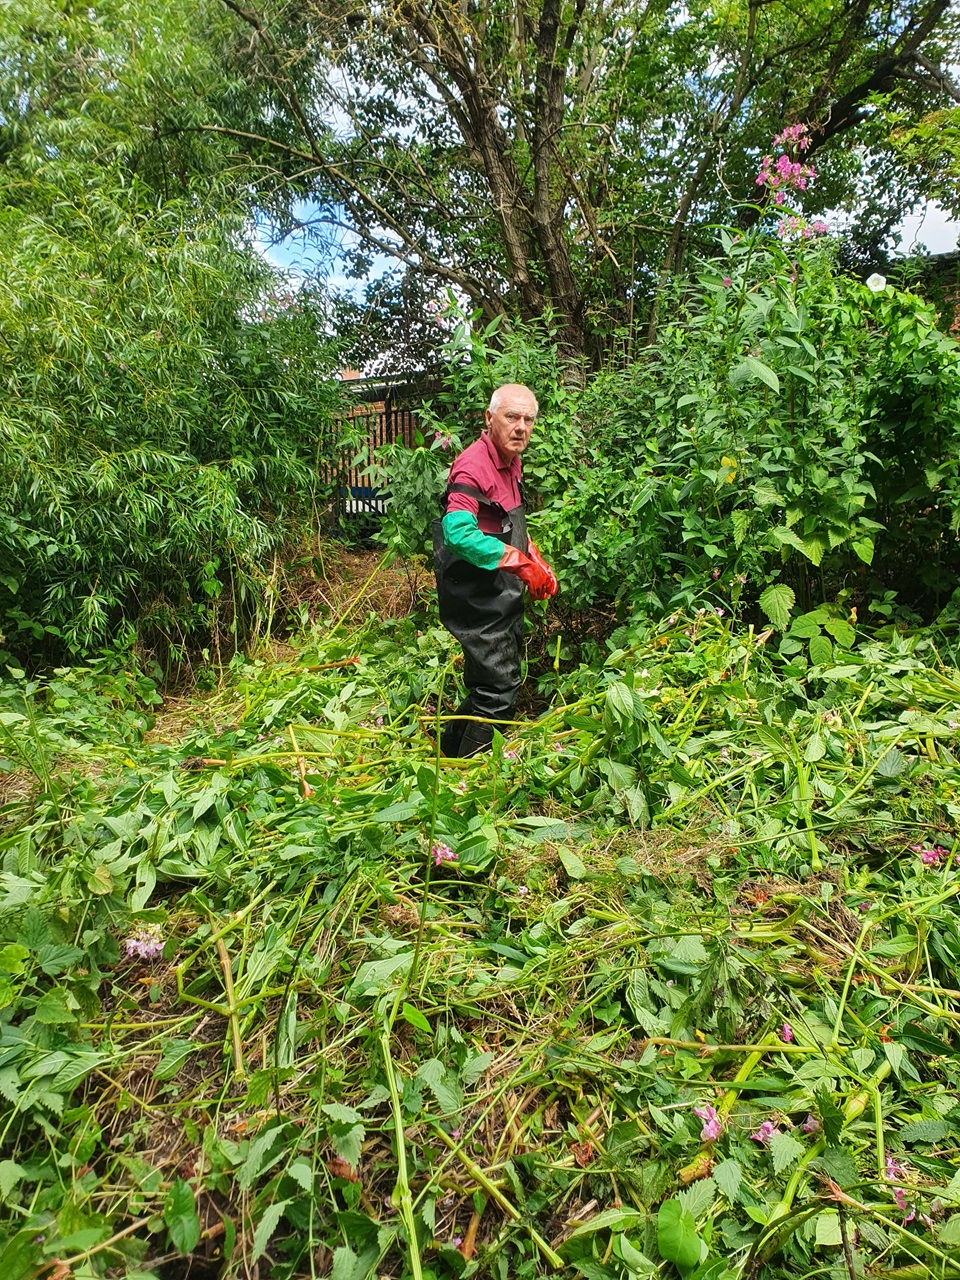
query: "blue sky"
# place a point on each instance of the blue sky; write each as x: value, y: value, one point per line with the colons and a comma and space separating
x: 930, y: 226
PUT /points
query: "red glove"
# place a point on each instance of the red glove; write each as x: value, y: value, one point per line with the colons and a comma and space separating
x: 527, y: 570
x: 533, y: 551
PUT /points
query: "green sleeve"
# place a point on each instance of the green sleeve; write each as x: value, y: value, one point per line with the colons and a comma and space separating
x: 462, y: 536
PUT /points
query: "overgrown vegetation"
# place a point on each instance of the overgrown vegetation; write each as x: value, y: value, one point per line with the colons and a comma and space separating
x: 664, y: 984
x: 793, y: 435
x: 165, y: 425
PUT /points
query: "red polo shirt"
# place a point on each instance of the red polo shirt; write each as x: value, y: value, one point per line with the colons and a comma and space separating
x: 481, y: 466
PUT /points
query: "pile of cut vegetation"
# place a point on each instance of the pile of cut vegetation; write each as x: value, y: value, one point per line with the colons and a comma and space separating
x: 664, y: 984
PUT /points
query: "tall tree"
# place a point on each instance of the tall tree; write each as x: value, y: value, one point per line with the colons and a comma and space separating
x: 557, y: 154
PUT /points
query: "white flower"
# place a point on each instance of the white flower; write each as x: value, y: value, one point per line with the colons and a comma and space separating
x: 876, y: 283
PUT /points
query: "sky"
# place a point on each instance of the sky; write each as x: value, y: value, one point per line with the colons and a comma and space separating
x: 929, y: 226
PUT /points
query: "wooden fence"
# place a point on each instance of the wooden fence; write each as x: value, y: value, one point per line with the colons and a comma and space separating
x: 383, y: 411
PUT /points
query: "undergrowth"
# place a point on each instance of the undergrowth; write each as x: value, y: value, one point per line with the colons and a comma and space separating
x: 664, y: 984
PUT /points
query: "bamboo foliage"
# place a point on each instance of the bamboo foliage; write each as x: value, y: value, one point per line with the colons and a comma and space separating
x: 162, y: 404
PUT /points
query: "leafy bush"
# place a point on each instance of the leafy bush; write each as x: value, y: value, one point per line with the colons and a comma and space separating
x: 164, y: 414
x: 792, y: 428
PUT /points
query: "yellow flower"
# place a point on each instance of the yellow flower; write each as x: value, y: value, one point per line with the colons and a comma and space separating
x: 731, y: 465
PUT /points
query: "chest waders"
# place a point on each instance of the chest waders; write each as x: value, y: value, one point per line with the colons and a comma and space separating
x: 483, y: 608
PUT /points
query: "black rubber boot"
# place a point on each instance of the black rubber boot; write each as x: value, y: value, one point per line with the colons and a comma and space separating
x: 450, y: 738
x: 476, y: 738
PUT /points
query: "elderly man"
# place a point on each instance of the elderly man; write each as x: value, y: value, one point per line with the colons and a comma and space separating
x: 483, y: 558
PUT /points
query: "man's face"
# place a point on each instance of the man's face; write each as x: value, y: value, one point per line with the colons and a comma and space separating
x: 511, y: 422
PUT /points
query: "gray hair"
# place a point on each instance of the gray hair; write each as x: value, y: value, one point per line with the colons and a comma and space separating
x: 495, y: 399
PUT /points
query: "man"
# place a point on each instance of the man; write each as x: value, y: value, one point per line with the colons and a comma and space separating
x: 483, y: 558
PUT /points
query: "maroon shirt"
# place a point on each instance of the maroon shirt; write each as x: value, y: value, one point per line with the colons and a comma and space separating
x: 481, y: 466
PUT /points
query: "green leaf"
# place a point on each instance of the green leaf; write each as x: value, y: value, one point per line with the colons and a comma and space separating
x: 52, y: 1009
x: 816, y: 749
x: 924, y: 1131
x: 787, y: 537
x: 415, y: 1018
x: 786, y: 1150
x: 751, y: 368
x: 837, y: 1163
x: 172, y: 1058
x: 180, y: 1216
x: 831, y: 1117
x: 266, y: 1227
x: 828, y: 1229
x: 776, y: 602
x: 841, y: 631
x: 741, y: 522
x: 12, y: 958
x: 54, y: 958
x: 821, y: 651
x: 619, y: 699
x: 892, y: 764
x: 608, y: 1220
x: 301, y: 1171
x: 728, y: 1176
x: 100, y: 880
x: 375, y: 976
x: 443, y: 1084
x: 699, y: 1197
x: 10, y: 1175
x: 572, y: 863
x: 19, y: 1256
x: 677, y: 1237
x: 863, y: 548
x: 475, y: 1065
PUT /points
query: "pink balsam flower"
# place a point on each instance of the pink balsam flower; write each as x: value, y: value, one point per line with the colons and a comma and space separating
x: 146, y: 943
x: 766, y: 1131
x: 712, y: 1124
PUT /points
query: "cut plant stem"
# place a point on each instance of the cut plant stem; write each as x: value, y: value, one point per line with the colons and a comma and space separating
x: 494, y: 1193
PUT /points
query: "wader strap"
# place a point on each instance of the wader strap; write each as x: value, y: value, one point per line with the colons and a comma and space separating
x: 472, y: 492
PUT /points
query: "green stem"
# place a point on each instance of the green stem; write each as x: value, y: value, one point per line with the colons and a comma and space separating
x: 494, y: 1192
x: 402, y: 1189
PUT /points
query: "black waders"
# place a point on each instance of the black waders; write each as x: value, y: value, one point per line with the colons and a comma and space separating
x: 483, y: 608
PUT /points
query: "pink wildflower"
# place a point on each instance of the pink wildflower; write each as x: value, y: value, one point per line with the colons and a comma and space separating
x: 786, y: 1033
x: 930, y: 857
x: 766, y: 1131
x: 811, y: 1124
x: 146, y: 943
x: 894, y: 1169
x: 509, y: 755
x: 442, y: 853
x: 727, y: 282
x: 712, y: 1124
x: 908, y: 1210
